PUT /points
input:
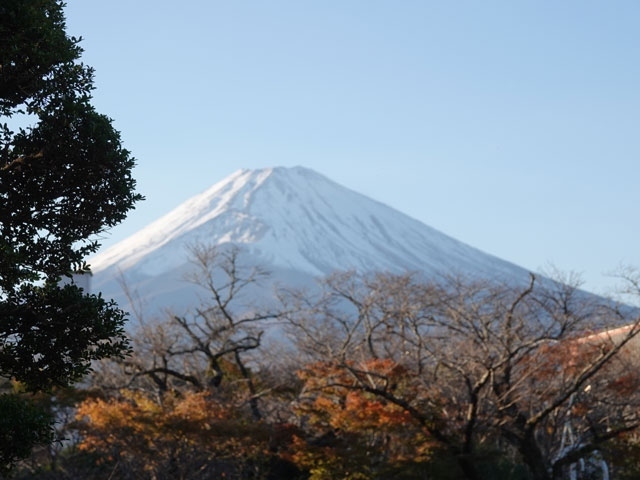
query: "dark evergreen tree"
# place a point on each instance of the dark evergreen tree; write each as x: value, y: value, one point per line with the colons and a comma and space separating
x: 64, y: 179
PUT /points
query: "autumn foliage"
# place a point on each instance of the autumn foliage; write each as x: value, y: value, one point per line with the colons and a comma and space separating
x: 187, y: 436
x: 382, y: 377
x: 352, y: 433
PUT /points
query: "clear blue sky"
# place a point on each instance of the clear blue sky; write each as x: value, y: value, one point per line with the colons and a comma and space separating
x: 512, y: 126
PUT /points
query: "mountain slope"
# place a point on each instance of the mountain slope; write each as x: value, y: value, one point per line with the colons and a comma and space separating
x: 295, y: 222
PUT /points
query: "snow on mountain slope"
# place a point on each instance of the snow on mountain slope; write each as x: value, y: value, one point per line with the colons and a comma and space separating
x: 291, y: 220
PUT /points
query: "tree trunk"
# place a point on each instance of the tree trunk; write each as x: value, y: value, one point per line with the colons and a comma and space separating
x: 533, y: 458
x: 468, y: 468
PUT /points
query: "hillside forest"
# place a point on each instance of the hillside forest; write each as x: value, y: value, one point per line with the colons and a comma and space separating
x: 374, y: 376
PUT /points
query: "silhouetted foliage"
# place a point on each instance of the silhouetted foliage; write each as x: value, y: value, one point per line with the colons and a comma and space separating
x: 22, y: 425
x: 64, y: 179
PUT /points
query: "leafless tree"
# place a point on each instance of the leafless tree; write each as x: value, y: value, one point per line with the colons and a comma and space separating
x: 210, y: 342
x: 487, y: 364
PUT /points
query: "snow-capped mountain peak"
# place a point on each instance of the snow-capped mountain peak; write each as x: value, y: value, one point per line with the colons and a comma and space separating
x: 294, y: 219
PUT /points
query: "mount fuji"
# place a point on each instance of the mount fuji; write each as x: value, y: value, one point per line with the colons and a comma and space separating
x: 294, y: 222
